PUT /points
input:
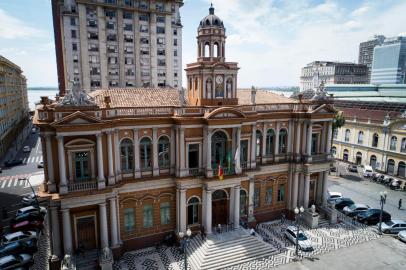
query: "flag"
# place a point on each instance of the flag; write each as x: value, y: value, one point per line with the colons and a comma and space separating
x: 220, y: 173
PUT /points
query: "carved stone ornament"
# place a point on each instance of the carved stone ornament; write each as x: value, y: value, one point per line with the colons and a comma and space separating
x: 106, y: 255
x: 76, y: 97
x: 403, y: 115
x: 321, y: 93
x: 67, y: 263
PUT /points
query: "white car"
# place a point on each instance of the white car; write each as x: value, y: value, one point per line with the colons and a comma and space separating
x: 355, y: 209
x: 17, y: 236
x: 402, y: 236
x: 13, y: 261
x: 368, y: 171
x: 30, y: 209
x: 304, y: 243
x: 26, y: 149
x: 29, y: 199
x: 393, y: 226
x: 332, y: 196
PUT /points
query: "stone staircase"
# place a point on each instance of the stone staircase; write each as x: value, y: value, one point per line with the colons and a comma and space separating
x: 227, y: 249
x: 88, y: 260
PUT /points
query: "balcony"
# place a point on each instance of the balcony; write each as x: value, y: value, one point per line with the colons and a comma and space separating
x: 226, y: 171
x: 80, y: 186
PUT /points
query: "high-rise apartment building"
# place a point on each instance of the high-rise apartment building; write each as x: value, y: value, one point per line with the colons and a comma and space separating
x: 318, y: 72
x: 389, y: 63
x: 13, y: 103
x: 118, y: 43
x: 366, y: 52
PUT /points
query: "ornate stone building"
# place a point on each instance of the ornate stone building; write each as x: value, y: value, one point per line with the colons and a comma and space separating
x: 124, y: 168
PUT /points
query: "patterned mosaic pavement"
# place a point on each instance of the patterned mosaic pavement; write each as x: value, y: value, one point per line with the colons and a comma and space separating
x: 41, y: 257
x: 326, y: 238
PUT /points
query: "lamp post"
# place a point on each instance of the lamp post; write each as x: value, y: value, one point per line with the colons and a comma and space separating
x: 33, y: 192
x: 298, y: 214
x: 382, y: 195
x: 184, y: 239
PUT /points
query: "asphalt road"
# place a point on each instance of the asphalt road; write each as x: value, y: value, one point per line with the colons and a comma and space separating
x: 362, y: 190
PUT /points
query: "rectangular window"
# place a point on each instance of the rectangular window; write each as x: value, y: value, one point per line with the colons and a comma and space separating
x: 129, y: 72
x: 74, y: 46
x: 129, y: 49
x: 268, y: 197
x: 144, y: 52
x: 128, y: 38
x: 160, y: 7
x: 73, y: 33
x: 244, y: 153
x: 113, y: 71
x: 161, y: 52
x: 256, y: 197
x: 161, y: 62
x: 112, y: 49
x: 92, y: 35
x: 92, y: 23
x: 93, y: 47
x: 144, y: 28
x: 129, y: 61
x: 94, y: 71
x: 165, y: 213
x: 144, y: 17
x: 175, y: 32
x: 147, y: 214
x: 160, y: 30
x: 93, y: 59
x: 161, y: 41
x: 72, y: 21
x: 175, y: 53
x: 144, y: 41
x: 175, y: 42
x: 112, y: 60
x: 129, y: 219
x: 281, y: 193
x: 110, y: 25
x: 143, y: 5
x: 75, y: 58
x: 127, y: 15
x: 193, y: 156
x: 160, y: 19
x: 110, y: 13
x: 175, y: 74
x: 111, y: 37
x: 128, y: 27
x: 128, y: 3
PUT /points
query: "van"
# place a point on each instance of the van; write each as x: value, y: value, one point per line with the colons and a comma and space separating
x: 368, y: 171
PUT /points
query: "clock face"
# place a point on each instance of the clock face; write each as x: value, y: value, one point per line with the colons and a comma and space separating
x: 219, y: 79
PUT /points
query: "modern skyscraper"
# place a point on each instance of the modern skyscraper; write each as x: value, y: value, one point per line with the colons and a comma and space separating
x: 326, y: 72
x: 118, y: 43
x: 366, y: 52
x: 389, y: 64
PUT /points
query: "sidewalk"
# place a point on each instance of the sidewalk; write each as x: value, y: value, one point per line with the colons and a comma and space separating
x: 383, y: 253
x: 11, y: 152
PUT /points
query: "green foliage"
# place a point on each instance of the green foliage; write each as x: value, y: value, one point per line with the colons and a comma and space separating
x: 338, y: 121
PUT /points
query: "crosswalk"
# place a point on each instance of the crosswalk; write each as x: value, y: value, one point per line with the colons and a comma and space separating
x: 13, y: 182
x: 36, y: 159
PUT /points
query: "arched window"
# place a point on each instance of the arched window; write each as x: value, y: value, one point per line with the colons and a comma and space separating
x: 335, y: 134
x: 145, y: 154
x: 270, y: 134
x: 216, y: 52
x: 243, y: 202
x: 208, y: 22
x: 375, y: 139
x: 82, y: 170
x: 218, y: 149
x: 207, y: 50
x: 372, y: 161
x: 403, y: 145
x: 283, y: 139
x: 401, y: 169
x: 390, y: 168
x: 334, y: 151
x: 393, y: 143
x: 347, y: 135
x: 219, y: 195
x: 126, y: 149
x: 258, y: 143
x: 209, y: 86
x: 358, y: 158
x: 193, y: 211
x: 229, y: 87
x: 345, y: 155
x: 360, y: 137
x: 163, y: 152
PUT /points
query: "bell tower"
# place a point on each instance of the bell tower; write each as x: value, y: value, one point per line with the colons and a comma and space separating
x: 211, y: 80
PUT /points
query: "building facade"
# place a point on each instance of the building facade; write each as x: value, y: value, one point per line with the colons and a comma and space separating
x: 118, y: 43
x: 389, y: 63
x: 125, y: 168
x: 325, y: 72
x: 373, y: 135
x: 13, y: 103
x: 366, y: 52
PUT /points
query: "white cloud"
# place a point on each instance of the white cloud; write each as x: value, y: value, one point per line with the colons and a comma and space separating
x: 14, y: 28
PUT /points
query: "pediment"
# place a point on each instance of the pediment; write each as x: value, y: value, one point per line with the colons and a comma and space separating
x: 225, y: 113
x: 399, y: 125
x: 76, y: 118
x: 325, y: 108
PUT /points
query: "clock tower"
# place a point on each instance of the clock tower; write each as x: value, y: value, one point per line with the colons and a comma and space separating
x: 211, y: 81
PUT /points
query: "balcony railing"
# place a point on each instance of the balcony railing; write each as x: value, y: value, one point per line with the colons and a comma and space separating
x: 80, y: 186
x: 195, y: 172
x: 226, y: 171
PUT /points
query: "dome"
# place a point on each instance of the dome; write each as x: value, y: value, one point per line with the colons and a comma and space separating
x: 211, y: 20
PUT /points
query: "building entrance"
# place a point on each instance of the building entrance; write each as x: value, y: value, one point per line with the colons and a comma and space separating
x: 219, y: 207
x: 86, y: 233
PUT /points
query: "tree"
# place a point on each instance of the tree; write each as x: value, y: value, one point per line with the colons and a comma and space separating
x: 338, y: 122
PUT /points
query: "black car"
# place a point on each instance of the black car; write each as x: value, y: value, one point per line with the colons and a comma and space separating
x: 14, y: 162
x: 371, y: 216
x: 28, y: 246
x: 333, y: 169
x: 31, y: 216
x: 340, y: 203
x: 352, y: 168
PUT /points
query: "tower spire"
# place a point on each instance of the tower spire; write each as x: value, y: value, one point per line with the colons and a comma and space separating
x: 211, y: 9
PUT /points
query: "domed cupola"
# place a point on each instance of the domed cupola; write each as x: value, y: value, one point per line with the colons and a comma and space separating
x: 211, y: 20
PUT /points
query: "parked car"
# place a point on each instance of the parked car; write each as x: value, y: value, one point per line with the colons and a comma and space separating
x: 371, y: 216
x: 332, y: 196
x: 393, y: 226
x: 367, y: 171
x: 33, y: 130
x: 26, y: 246
x: 17, y: 236
x: 352, y: 168
x: 304, y: 243
x: 387, y: 180
x: 31, y: 225
x: 402, y: 236
x: 14, y: 162
x: 30, y: 209
x: 395, y: 184
x: 26, y: 149
x: 333, y: 169
x: 355, y: 209
x: 40, y: 165
x: 30, y: 199
x: 27, y: 216
x: 340, y: 203
x: 14, y: 261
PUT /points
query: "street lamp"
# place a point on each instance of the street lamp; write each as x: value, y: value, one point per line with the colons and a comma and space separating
x: 298, y: 214
x: 33, y: 192
x: 382, y: 195
x: 184, y: 239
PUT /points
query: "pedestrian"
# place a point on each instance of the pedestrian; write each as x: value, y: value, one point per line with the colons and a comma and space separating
x: 252, y: 232
x: 400, y: 203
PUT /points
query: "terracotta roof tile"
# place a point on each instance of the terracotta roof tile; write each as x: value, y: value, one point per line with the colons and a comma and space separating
x: 262, y: 97
x: 364, y: 114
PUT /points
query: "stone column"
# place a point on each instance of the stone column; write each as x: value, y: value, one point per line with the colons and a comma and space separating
x: 63, y: 188
x: 182, y: 210
x: 177, y: 211
x: 237, y: 207
x: 172, y: 151
x: 290, y: 139
x: 306, y: 191
x: 297, y: 140
x: 55, y: 233
x: 325, y: 187
x: 111, y: 179
x: 251, y: 199
x: 319, y: 188
x: 208, y: 211
x: 182, y: 152
x: 295, y: 188
x: 323, y: 138
x: 104, y: 235
x: 276, y: 146
x: 209, y: 169
x: 101, y: 184
x: 67, y: 232
x: 136, y: 151
x: 231, y: 206
x: 117, y: 154
x: 329, y: 137
x: 263, y: 155
x: 238, y: 158
x: 309, y: 142
x: 253, y: 147
x: 113, y: 222
x: 155, y: 164
x: 50, y: 165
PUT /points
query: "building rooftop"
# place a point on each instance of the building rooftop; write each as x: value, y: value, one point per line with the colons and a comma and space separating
x: 365, y: 114
x: 262, y: 96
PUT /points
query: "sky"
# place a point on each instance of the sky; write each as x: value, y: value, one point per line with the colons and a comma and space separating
x: 270, y: 39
